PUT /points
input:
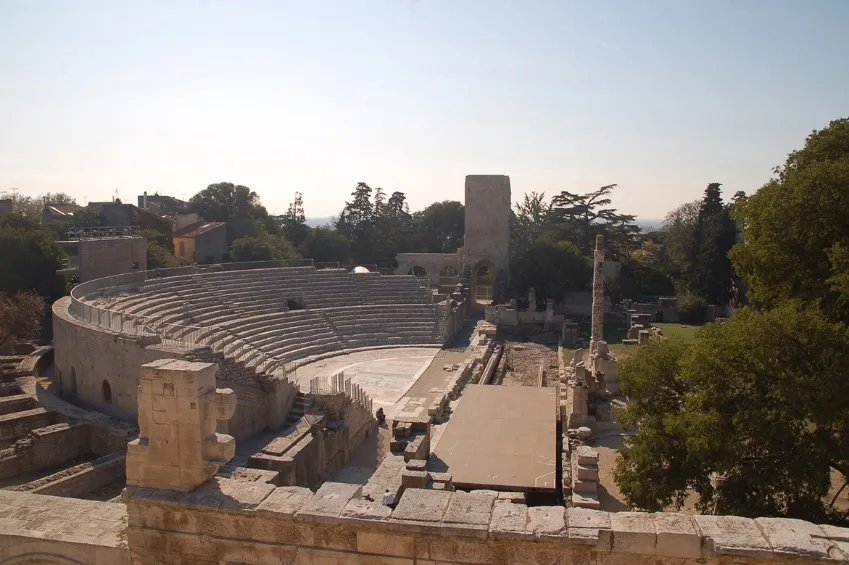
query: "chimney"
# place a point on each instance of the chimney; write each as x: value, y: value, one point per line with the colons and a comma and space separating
x: 144, y: 201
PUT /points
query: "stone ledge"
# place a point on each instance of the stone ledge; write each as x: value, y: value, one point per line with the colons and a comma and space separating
x: 479, y: 517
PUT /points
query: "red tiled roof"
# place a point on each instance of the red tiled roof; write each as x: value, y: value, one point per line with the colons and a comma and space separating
x: 195, y: 230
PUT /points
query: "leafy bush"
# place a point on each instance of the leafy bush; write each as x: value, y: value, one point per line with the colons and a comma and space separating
x: 691, y: 308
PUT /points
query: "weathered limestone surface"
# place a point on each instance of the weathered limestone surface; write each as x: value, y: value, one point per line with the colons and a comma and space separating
x: 250, y: 523
x: 179, y: 409
x: 437, y: 527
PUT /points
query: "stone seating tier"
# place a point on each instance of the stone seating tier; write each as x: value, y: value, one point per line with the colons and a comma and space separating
x: 244, y: 315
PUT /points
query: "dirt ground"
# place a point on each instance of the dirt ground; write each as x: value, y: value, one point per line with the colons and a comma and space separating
x: 522, y: 360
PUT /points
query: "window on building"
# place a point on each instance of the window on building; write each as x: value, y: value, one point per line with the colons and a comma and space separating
x: 182, y: 248
x: 135, y: 264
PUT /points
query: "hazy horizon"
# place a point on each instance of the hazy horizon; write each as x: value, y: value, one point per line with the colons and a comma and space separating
x: 660, y: 97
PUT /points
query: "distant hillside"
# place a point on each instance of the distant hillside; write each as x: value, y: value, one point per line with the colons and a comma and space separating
x: 649, y: 225
x: 319, y: 221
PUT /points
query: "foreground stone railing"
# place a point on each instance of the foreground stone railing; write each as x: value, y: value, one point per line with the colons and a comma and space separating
x: 231, y: 522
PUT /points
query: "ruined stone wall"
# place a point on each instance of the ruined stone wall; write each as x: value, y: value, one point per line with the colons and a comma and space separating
x: 44, y: 448
x: 112, y: 256
x: 89, y: 355
x: 251, y: 411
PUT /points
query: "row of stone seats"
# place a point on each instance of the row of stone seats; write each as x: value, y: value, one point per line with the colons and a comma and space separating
x: 245, y: 315
x: 394, y: 289
x: 385, y: 324
x: 286, y: 336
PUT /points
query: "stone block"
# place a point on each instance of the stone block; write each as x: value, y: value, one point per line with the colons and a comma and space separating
x: 516, y: 497
x: 794, y: 538
x: 584, y: 486
x: 732, y: 535
x: 677, y: 536
x: 586, y: 500
x: 587, y: 472
x: 414, y: 479
x: 285, y: 501
x: 247, y: 496
x: 328, y: 502
x: 360, y: 509
x: 385, y: 543
x: 633, y: 532
x: 509, y: 520
x: 589, y: 527
x: 585, y: 455
x: 835, y: 532
x: 547, y: 521
x: 425, y: 508
x: 470, y: 511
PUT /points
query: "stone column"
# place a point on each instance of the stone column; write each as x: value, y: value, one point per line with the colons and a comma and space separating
x: 597, y: 331
x: 179, y: 406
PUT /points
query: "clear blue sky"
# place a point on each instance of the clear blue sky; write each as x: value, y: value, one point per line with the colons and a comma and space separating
x: 661, y: 97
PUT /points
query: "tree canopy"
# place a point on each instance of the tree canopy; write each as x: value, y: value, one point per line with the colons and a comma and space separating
x: 751, y: 418
x: 30, y: 259
x: 795, y: 227
x: 326, y: 245
x: 440, y: 227
x: 266, y: 248
x: 21, y: 314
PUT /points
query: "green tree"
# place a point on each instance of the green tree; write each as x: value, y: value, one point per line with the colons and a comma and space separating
x: 29, y: 258
x: 795, y: 232
x: 392, y: 227
x: 552, y: 268
x: 325, y: 245
x: 294, y: 223
x: 679, y: 231
x: 579, y: 218
x: 159, y: 249
x: 356, y: 223
x: 710, y: 274
x: 27, y: 206
x: 237, y: 205
x: 265, y: 248
x: 21, y: 315
x: 531, y: 222
x: 751, y: 418
x: 440, y: 227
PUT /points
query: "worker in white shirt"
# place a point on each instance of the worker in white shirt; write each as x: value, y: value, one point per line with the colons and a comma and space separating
x: 388, y: 498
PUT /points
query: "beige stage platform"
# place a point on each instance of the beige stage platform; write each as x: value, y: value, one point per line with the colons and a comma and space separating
x: 502, y: 437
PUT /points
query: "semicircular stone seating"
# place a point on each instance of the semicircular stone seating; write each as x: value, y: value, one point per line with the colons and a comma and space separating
x: 266, y: 317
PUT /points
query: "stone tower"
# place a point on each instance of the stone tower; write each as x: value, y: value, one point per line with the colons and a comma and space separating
x: 487, y: 240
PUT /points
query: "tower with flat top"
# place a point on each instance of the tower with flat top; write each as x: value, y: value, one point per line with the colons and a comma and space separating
x: 487, y: 239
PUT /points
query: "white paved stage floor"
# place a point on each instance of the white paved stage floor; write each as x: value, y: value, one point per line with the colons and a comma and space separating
x: 385, y: 374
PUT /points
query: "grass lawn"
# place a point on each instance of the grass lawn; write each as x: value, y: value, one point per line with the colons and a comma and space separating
x: 614, y: 335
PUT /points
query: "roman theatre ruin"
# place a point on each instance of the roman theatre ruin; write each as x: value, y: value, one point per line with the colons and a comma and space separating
x: 226, y: 414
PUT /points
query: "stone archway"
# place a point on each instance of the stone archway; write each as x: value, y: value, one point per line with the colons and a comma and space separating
x: 417, y: 271
x: 483, y: 281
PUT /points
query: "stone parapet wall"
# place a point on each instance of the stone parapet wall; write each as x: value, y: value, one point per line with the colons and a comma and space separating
x: 248, y: 523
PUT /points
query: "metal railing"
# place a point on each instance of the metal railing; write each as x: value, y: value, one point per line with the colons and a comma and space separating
x: 99, y: 232
x: 181, y: 335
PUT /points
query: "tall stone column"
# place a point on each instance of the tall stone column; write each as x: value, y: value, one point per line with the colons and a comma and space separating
x: 597, y: 331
